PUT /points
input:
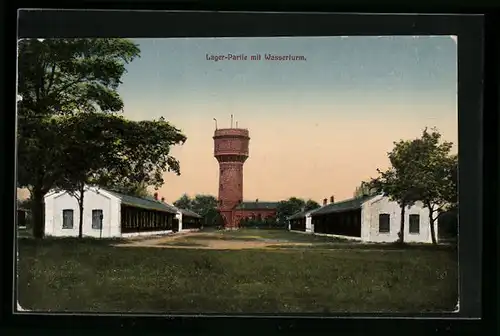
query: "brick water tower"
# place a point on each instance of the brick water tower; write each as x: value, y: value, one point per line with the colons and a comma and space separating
x: 231, y: 151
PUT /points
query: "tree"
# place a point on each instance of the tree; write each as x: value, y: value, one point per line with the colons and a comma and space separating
x: 436, y: 177
x: 184, y: 202
x: 363, y: 190
x: 61, y: 77
x: 287, y: 208
x: 98, y: 145
x: 40, y: 163
x: 141, y: 154
x: 137, y: 189
x: 203, y: 205
x: 86, y: 148
x: 422, y: 170
x: 206, y: 206
x: 397, y: 182
x: 311, y: 205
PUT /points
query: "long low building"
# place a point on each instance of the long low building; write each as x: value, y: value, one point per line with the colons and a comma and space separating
x: 109, y: 214
x: 368, y: 218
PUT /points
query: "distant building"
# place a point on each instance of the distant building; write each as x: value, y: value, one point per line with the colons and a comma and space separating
x: 108, y: 214
x: 254, y: 210
x: 231, y: 151
x: 367, y: 218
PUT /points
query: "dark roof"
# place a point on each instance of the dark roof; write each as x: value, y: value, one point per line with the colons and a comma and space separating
x: 350, y: 204
x: 299, y: 214
x: 145, y: 203
x: 257, y: 205
x: 189, y: 213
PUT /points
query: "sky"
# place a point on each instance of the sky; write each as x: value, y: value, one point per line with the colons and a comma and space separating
x: 318, y: 126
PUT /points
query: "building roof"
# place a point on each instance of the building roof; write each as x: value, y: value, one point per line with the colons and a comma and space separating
x: 257, y: 205
x: 145, y: 203
x: 299, y: 214
x: 189, y: 213
x: 349, y: 204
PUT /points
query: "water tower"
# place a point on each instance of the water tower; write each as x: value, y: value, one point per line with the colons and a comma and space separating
x: 231, y: 151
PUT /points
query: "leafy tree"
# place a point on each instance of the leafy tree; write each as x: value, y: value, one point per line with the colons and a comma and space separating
x: 287, y: 208
x: 86, y: 147
x: 436, y: 177
x: 138, y: 189
x: 203, y: 205
x: 422, y: 170
x: 397, y: 182
x: 184, y: 202
x: 142, y: 153
x: 40, y: 163
x: 61, y: 76
x: 363, y: 190
x: 311, y: 205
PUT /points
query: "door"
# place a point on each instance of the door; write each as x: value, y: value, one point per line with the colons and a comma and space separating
x: 97, y: 217
x: 175, y: 225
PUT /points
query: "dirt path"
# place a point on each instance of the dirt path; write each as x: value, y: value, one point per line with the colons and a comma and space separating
x: 216, y: 243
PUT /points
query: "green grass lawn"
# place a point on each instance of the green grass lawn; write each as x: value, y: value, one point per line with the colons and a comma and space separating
x: 24, y: 233
x: 181, y: 243
x: 281, y: 235
x: 91, y: 275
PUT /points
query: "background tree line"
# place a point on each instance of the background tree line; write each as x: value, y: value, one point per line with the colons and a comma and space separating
x: 70, y: 130
x: 206, y: 206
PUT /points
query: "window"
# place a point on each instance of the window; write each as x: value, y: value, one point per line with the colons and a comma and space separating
x: 97, y: 219
x: 384, y: 223
x: 414, y: 223
x: 67, y: 219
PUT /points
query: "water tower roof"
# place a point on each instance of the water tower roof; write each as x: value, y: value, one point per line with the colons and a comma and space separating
x: 238, y: 132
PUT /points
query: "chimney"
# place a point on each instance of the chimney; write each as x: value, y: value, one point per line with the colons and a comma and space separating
x: 155, y: 195
x: 325, y: 200
x: 332, y: 199
x: 163, y: 199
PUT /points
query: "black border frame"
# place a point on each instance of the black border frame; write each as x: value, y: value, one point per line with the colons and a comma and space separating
x: 468, y: 28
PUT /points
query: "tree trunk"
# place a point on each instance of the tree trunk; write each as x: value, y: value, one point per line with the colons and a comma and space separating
x: 433, y: 231
x: 80, y: 206
x: 38, y: 214
x: 401, y: 239
x: 432, y: 220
